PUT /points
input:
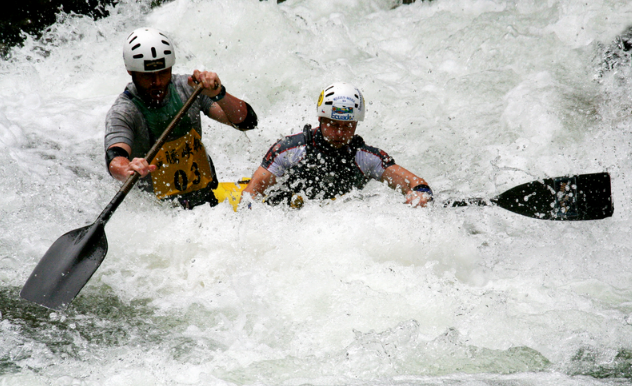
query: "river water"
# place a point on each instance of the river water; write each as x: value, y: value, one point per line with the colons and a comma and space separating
x: 474, y: 96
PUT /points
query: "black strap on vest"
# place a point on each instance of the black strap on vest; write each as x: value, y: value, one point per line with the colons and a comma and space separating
x: 307, y: 133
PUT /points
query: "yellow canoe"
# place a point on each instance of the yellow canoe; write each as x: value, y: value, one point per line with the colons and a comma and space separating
x: 231, y: 191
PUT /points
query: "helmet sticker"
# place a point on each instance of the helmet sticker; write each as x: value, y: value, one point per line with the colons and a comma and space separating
x: 320, y: 98
x: 341, y: 110
x: 343, y: 99
x: 155, y: 65
x: 342, y: 113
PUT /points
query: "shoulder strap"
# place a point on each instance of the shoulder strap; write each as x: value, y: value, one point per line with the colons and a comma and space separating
x: 356, y: 142
x: 309, y: 137
x: 307, y: 132
x: 130, y: 96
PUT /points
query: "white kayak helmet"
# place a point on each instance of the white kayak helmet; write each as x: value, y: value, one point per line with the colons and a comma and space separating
x: 148, y: 50
x: 341, y: 102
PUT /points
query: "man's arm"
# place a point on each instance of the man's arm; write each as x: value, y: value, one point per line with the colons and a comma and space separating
x: 415, y: 188
x: 260, y: 181
x: 227, y: 109
x: 121, y: 167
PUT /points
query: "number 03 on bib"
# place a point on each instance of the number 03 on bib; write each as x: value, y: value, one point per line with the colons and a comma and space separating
x: 183, y: 166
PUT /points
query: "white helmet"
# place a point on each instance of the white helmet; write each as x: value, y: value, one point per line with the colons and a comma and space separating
x: 341, y: 102
x: 148, y: 50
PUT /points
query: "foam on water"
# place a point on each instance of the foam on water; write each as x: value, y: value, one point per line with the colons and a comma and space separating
x: 475, y: 96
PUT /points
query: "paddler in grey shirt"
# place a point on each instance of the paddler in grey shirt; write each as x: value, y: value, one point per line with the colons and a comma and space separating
x: 182, y: 170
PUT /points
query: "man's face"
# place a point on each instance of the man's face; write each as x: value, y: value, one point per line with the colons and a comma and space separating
x: 337, y: 133
x: 152, y: 86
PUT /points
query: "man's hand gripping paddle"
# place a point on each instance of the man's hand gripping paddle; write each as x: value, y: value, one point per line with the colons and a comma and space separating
x: 72, y: 260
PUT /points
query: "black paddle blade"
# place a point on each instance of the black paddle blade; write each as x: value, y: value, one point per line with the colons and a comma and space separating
x: 66, y: 267
x: 574, y: 198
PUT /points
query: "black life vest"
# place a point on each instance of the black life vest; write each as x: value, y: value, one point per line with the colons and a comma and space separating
x: 324, y: 172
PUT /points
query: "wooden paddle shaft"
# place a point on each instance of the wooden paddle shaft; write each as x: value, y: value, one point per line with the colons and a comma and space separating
x: 131, y: 180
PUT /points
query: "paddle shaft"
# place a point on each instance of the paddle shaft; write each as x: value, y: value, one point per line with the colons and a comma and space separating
x: 466, y: 202
x: 131, y: 180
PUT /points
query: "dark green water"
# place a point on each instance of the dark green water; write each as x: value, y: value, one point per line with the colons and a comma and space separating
x: 97, y: 320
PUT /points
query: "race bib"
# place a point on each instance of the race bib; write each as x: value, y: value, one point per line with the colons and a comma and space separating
x: 183, y: 166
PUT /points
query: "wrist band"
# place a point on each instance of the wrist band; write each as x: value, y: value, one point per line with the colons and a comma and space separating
x: 222, y: 94
x: 423, y: 188
x: 250, y: 122
x: 114, y: 152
